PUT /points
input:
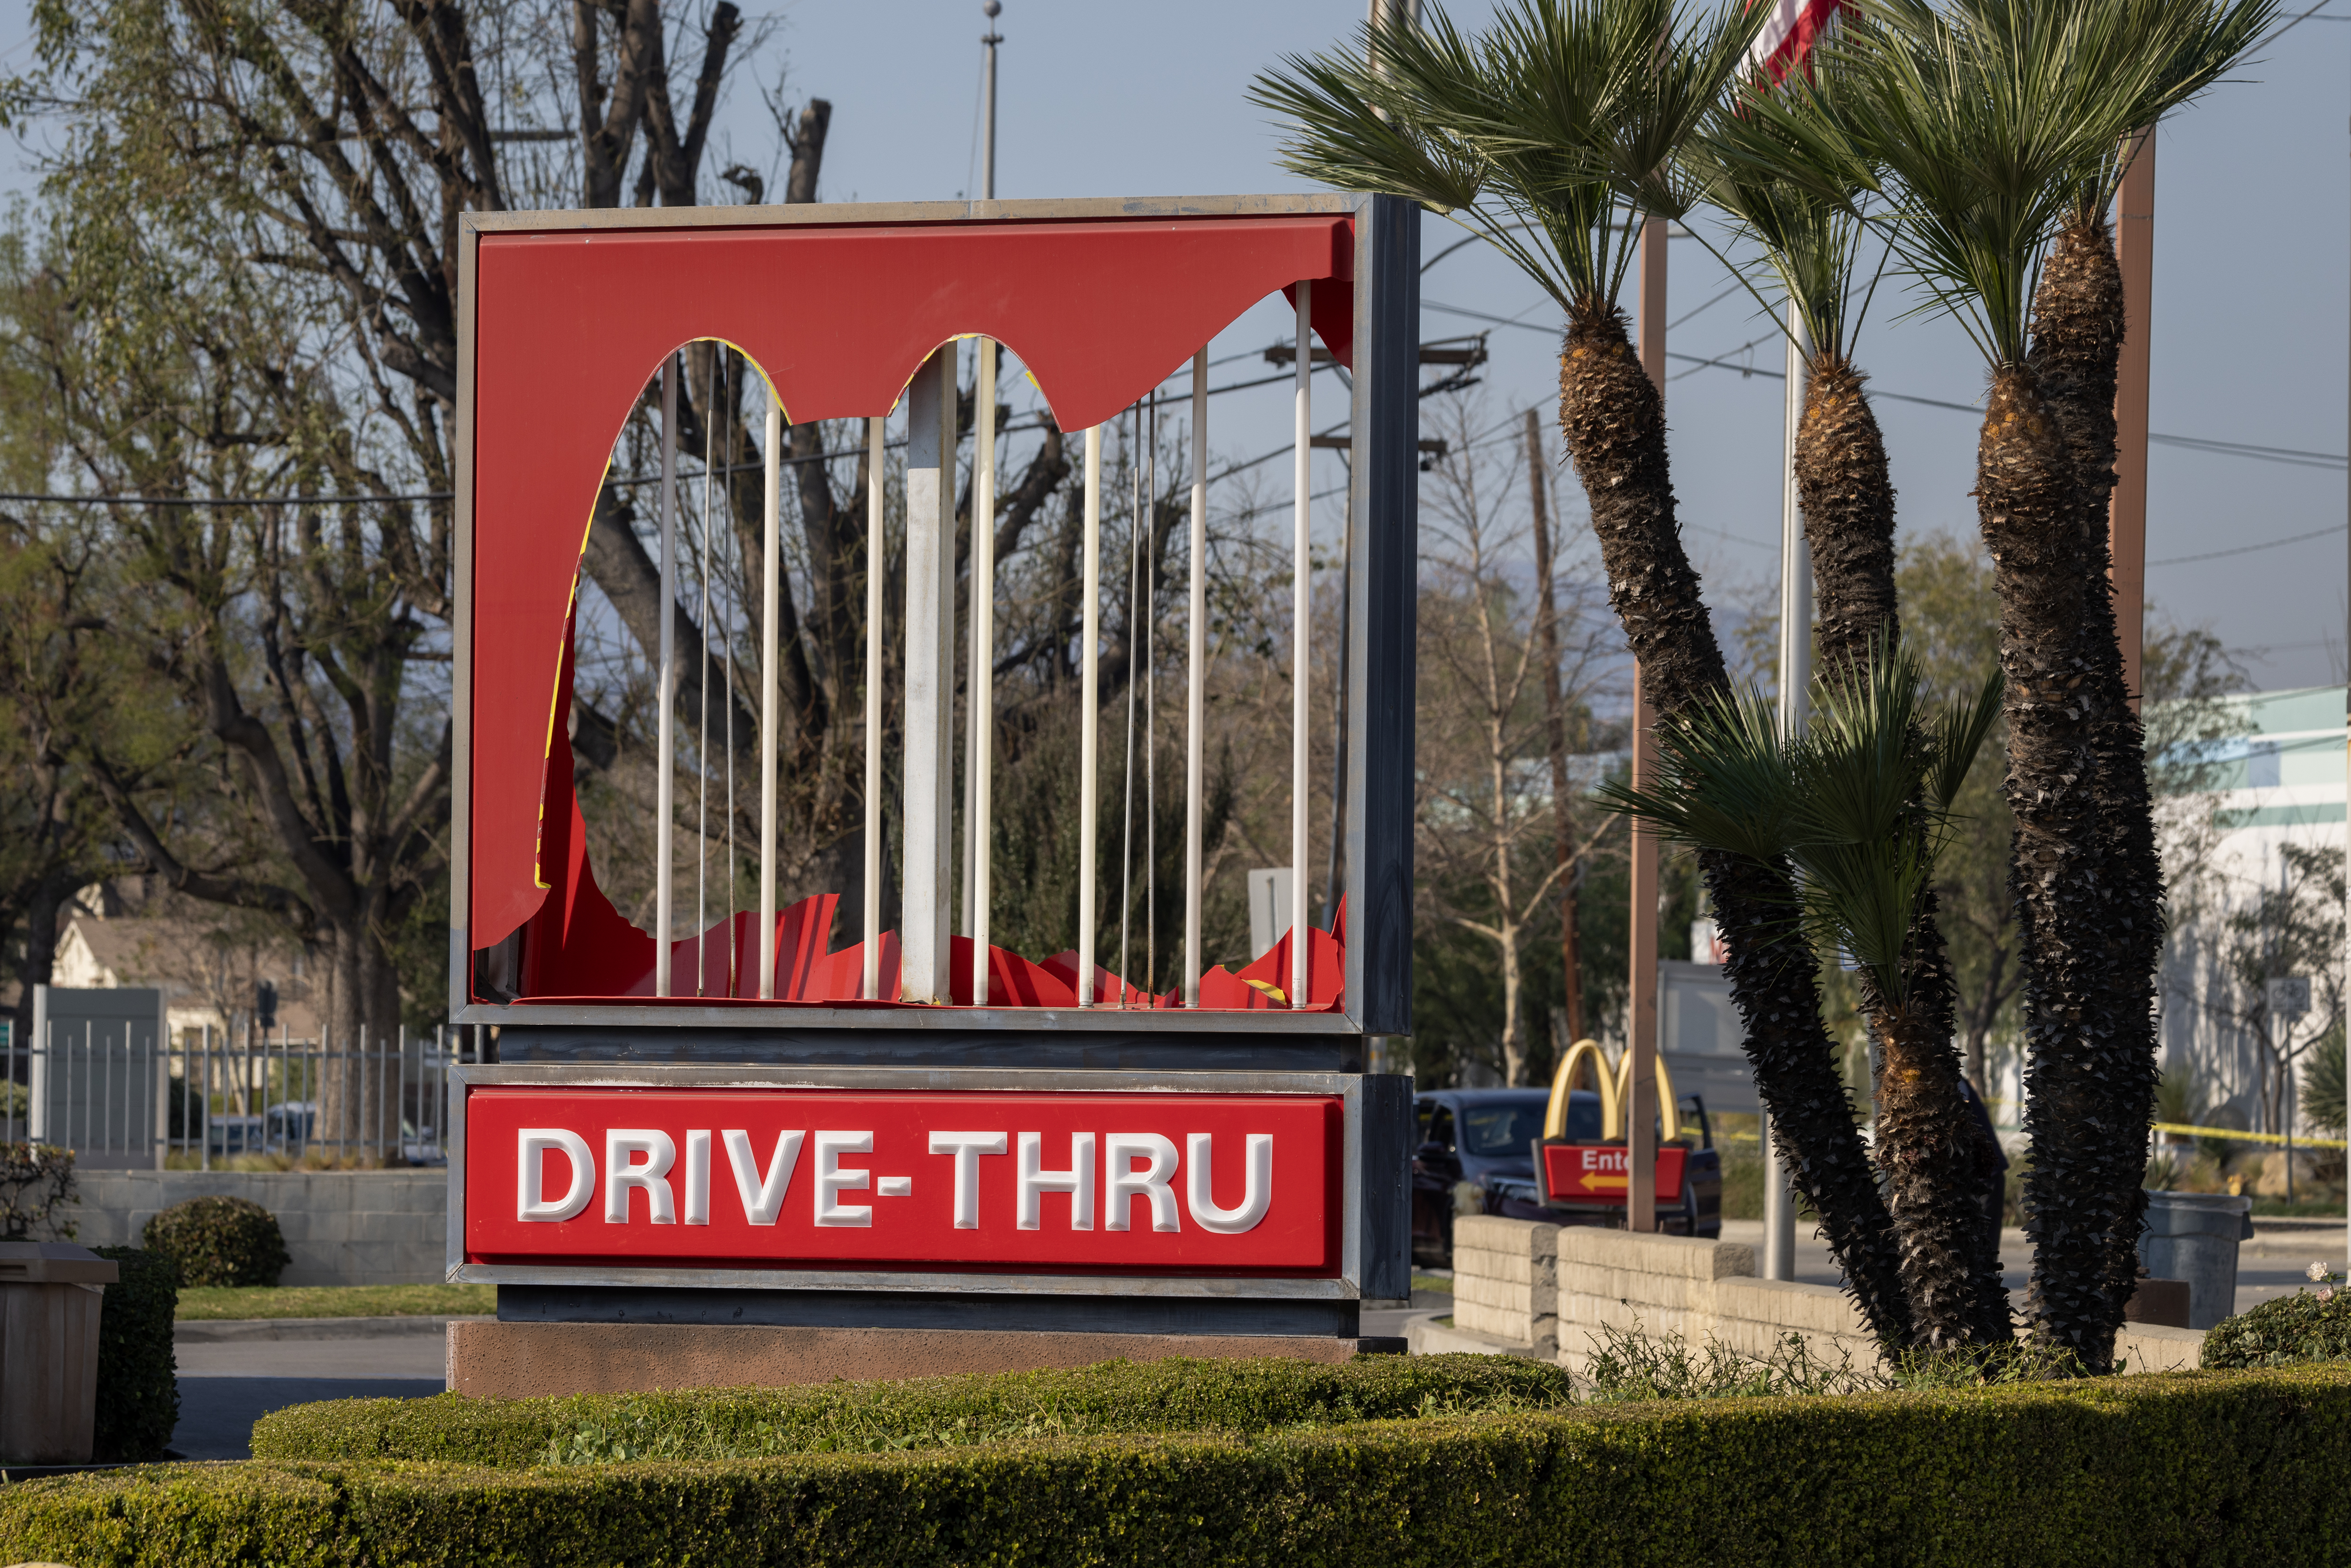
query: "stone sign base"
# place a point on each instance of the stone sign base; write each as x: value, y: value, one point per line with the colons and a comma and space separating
x: 522, y: 1360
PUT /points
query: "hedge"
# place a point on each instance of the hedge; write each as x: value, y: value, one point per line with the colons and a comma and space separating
x: 1170, y: 1395
x: 137, y: 1376
x: 2205, y: 1468
x: 2282, y: 1331
x: 219, y: 1241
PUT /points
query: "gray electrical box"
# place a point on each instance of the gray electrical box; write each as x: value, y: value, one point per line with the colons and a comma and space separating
x: 1700, y: 1036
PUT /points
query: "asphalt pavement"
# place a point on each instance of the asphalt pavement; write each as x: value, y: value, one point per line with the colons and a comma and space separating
x: 228, y: 1383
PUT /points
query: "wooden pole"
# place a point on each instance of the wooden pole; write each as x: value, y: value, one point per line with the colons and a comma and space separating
x: 2127, y: 513
x: 1554, y: 723
x: 1641, y: 1005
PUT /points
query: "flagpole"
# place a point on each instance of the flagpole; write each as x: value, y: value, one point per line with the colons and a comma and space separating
x: 1795, y: 711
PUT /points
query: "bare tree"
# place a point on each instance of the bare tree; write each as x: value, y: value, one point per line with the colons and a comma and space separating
x: 1494, y: 771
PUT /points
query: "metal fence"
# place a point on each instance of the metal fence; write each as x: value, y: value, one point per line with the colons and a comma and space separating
x: 120, y: 1101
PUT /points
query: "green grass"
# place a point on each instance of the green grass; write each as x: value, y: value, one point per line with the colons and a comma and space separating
x: 1442, y: 1284
x: 213, y: 1301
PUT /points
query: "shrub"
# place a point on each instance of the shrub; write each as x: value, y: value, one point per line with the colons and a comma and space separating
x: 2205, y: 1468
x: 219, y: 1241
x: 36, y: 1180
x: 1626, y: 1364
x: 2308, y: 1326
x: 1171, y: 1396
x: 138, y: 1379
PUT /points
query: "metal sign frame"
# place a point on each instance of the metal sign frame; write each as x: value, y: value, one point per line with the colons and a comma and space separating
x: 1381, y: 587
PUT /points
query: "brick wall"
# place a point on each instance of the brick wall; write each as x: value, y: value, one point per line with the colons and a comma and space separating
x: 1506, y: 1281
x: 343, y: 1227
x: 1530, y: 1289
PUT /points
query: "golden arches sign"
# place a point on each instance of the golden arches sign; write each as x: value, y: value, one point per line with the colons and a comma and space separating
x: 1615, y: 1081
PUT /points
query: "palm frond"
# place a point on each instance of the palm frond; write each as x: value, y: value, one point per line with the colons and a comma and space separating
x: 1955, y: 739
x: 1778, y: 161
x: 1722, y: 782
x: 1530, y: 135
x: 1858, y: 806
x: 1991, y: 117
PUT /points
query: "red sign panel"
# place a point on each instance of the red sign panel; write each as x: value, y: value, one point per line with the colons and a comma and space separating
x: 1602, y: 1173
x: 975, y: 1181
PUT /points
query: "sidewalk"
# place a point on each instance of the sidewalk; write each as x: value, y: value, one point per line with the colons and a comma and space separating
x: 2268, y: 1266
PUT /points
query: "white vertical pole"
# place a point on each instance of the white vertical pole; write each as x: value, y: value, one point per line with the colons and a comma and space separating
x: 980, y: 712
x: 1301, y: 639
x: 927, y: 829
x: 1795, y: 706
x: 1195, y: 702
x: 1089, y: 737
x: 770, y: 572
x: 665, y: 783
x: 876, y: 473
x: 702, y: 683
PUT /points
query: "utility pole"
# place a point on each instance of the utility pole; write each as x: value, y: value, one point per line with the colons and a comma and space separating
x: 979, y: 699
x: 1641, y: 1006
x: 991, y: 9
x: 2126, y: 512
x: 1555, y: 721
x: 1795, y: 712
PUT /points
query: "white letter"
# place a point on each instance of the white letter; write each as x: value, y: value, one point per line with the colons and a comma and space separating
x: 967, y: 1148
x: 762, y: 1194
x: 697, y: 1176
x: 1078, y: 1181
x: 830, y: 1179
x: 622, y: 1173
x: 1256, y: 1194
x: 1120, y: 1151
x: 529, y: 1180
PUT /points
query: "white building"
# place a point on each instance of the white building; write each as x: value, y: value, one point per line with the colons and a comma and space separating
x: 2267, y: 773
x: 208, y: 981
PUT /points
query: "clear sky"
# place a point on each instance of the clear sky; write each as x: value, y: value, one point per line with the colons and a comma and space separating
x: 2252, y: 296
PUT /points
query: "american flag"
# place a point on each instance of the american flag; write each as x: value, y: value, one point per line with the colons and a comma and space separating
x: 1787, y: 36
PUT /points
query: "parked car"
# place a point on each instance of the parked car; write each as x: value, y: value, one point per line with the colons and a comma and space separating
x: 1475, y: 1151
x: 292, y: 1124
x: 234, y: 1135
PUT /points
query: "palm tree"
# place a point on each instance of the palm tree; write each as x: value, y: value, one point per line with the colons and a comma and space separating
x: 1861, y: 807
x: 1984, y: 123
x: 2077, y: 333
x: 1795, y: 188
x: 1533, y: 136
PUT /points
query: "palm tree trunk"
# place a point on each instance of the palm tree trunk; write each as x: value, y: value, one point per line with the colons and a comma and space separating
x: 1935, y: 1157
x: 2076, y: 347
x: 1614, y: 421
x: 2025, y: 504
x: 1928, y: 1144
x: 1847, y: 498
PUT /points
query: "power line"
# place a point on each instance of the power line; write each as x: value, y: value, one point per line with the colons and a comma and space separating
x: 228, y: 500
x: 2292, y: 456
x: 617, y: 484
x: 2248, y: 549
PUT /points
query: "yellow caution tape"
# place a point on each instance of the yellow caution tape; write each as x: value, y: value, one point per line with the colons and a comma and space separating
x: 2232, y: 1136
